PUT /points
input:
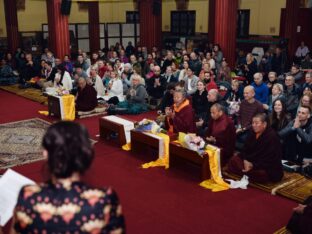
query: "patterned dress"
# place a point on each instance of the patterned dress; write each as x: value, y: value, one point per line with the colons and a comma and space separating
x: 68, y: 208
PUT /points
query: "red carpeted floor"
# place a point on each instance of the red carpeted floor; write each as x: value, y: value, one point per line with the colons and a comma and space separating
x: 158, y: 200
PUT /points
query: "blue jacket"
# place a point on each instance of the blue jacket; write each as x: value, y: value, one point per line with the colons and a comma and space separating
x: 262, y: 92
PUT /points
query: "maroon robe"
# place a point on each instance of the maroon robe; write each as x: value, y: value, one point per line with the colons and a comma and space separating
x: 183, y: 121
x: 223, y: 130
x: 265, y: 153
x: 87, y: 99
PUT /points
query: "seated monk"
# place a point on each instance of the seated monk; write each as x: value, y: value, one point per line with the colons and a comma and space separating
x: 300, y: 222
x: 221, y: 132
x: 180, y: 118
x: 86, y: 96
x: 262, y: 154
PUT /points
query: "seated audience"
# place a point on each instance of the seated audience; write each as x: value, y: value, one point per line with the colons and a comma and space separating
x: 183, y: 71
x: 125, y: 77
x: 249, y: 107
x: 195, y: 63
x: 261, y: 89
x: 62, y: 79
x: 156, y: 85
x: 272, y: 79
x: 169, y: 76
x: 6, y: 74
x: 64, y: 203
x: 306, y: 63
x: 180, y: 117
x: 300, y: 221
x: 167, y: 100
x: 135, y: 99
x: 307, y: 83
x: 279, y: 118
x: 29, y: 70
x: 49, y: 75
x: 68, y: 64
x: 298, y: 136
x: 81, y: 62
x: 224, y: 73
x: 115, y: 89
x: 209, y: 81
x: 291, y: 93
x: 306, y: 100
x: 277, y: 93
x: 95, y: 81
x: 261, y: 156
x: 221, y: 132
x: 86, y: 99
x: 301, y: 52
x: 190, y: 82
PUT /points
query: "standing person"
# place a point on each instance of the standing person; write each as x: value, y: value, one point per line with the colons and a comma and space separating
x: 64, y: 202
x: 250, y: 67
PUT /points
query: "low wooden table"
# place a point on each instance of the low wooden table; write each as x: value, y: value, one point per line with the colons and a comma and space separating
x: 54, y: 106
x: 177, y: 152
x: 140, y: 140
x: 107, y: 127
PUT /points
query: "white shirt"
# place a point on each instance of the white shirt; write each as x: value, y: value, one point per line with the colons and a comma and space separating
x: 67, y: 81
x: 116, y: 89
x: 302, y: 51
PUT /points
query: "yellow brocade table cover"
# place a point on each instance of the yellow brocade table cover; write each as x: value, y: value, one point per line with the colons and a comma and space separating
x: 67, y: 102
x: 163, y: 160
x: 215, y: 183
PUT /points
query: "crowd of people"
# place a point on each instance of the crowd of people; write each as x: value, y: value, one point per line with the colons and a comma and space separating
x: 261, y: 106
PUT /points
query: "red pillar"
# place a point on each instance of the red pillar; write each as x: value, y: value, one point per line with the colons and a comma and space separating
x: 211, y: 21
x: 150, y: 23
x: 94, y: 26
x: 11, y: 24
x: 225, y: 28
x: 58, y: 29
x: 291, y: 22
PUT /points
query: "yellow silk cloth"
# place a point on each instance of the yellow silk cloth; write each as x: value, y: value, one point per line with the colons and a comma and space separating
x: 126, y: 147
x: 68, y: 102
x: 215, y: 183
x: 46, y: 113
x: 163, y: 160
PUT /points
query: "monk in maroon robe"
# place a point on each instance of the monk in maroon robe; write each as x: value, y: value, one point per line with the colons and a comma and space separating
x: 180, y: 118
x: 300, y: 221
x: 221, y: 132
x: 262, y: 154
x: 86, y: 99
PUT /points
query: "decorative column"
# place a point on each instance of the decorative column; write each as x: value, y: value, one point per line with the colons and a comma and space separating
x: 59, y: 41
x: 225, y: 28
x: 150, y: 23
x: 291, y: 23
x: 94, y: 26
x: 10, y: 11
x: 211, y: 21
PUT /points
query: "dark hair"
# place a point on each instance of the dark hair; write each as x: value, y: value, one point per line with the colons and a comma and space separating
x: 275, y: 122
x: 69, y: 149
x: 262, y: 116
x: 306, y: 107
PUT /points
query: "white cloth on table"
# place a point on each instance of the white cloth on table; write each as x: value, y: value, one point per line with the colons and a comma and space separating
x: 128, y: 125
x: 161, y: 143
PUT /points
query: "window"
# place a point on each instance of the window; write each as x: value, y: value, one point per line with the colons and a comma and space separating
x: 132, y: 17
x: 183, y: 23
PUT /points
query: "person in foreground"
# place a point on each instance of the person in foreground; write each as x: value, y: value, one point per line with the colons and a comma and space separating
x: 300, y: 221
x: 262, y: 154
x: 65, y: 204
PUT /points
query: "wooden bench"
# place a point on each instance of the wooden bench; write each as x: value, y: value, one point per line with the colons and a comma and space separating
x: 177, y: 152
x: 108, y: 127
